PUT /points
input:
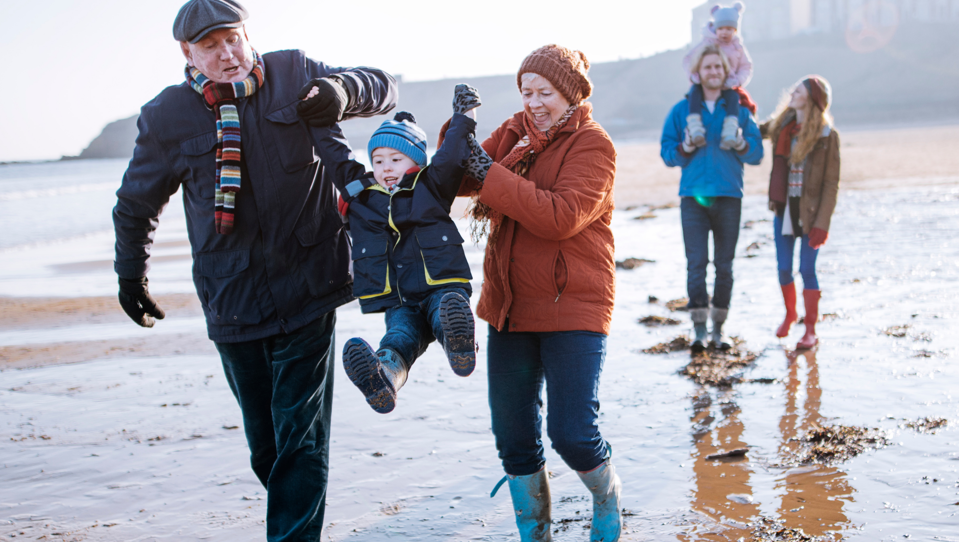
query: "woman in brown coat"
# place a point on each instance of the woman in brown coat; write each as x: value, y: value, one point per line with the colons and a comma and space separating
x: 546, y: 202
x: 803, y: 188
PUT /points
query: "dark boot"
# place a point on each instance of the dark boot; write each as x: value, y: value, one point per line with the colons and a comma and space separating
x: 811, y: 300
x: 716, y: 338
x: 699, y: 317
x: 459, y: 331
x: 789, y: 297
x: 379, y: 376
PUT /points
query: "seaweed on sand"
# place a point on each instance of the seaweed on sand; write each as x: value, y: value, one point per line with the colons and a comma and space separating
x: 632, y: 263
x: 835, y: 444
x: 927, y: 425
x: 774, y: 530
x: 678, y: 344
x: 656, y: 321
x: 721, y: 368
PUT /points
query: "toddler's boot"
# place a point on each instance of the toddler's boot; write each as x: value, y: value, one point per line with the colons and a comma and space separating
x: 789, y: 297
x: 378, y: 375
x: 531, y: 504
x: 699, y: 317
x: 727, y: 139
x: 459, y: 331
x: 606, y: 487
x: 811, y: 300
x: 717, y: 338
x: 697, y: 132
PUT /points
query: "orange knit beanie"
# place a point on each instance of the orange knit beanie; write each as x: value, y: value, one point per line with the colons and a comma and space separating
x: 564, y: 68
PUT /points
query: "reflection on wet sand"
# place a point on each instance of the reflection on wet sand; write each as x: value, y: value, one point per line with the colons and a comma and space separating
x: 811, y: 497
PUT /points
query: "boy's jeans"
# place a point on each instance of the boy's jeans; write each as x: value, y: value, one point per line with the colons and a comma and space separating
x: 722, y: 218
x: 411, y: 329
x: 284, y: 385
x: 570, y: 363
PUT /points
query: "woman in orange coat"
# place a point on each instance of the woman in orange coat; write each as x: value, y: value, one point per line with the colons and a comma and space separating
x: 545, y: 200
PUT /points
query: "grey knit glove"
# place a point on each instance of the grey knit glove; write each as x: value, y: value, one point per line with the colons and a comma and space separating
x: 479, y: 162
x: 465, y: 98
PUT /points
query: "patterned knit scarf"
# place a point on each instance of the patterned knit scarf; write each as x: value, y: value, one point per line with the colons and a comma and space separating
x: 779, y: 177
x: 222, y: 98
x: 486, y: 221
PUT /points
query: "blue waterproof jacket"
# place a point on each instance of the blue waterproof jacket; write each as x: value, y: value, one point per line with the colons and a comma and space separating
x: 287, y: 261
x: 710, y: 171
x: 405, y: 245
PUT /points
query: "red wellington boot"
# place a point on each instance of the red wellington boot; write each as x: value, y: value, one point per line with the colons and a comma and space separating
x: 789, y: 296
x: 811, y: 300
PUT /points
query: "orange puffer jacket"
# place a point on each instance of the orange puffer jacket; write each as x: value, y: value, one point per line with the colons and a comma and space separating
x: 551, y: 267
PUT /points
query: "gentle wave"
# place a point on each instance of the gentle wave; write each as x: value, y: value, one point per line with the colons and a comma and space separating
x: 53, y: 192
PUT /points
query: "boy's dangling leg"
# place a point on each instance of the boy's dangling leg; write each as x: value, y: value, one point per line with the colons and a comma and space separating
x: 731, y: 122
x: 452, y: 321
x: 694, y: 121
x: 380, y: 375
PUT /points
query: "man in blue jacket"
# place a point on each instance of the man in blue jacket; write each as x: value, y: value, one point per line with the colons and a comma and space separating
x: 271, y: 260
x: 711, y: 189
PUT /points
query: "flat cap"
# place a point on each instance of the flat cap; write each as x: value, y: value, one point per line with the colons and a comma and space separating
x: 197, y: 18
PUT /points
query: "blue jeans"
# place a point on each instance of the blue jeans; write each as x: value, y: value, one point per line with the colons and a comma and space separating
x: 411, y: 329
x: 785, y: 248
x: 570, y: 362
x: 284, y: 385
x: 722, y: 218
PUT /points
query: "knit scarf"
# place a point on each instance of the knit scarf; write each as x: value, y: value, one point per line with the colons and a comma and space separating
x: 485, y: 220
x: 222, y: 98
x: 779, y: 178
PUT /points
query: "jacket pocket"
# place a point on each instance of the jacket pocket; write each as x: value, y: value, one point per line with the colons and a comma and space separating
x: 227, y: 287
x: 199, y: 157
x: 560, y: 274
x: 441, y: 247
x: 371, y: 267
x: 324, y: 261
x: 293, y: 143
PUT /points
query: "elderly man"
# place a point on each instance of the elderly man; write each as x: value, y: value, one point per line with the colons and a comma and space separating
x: 271, y: 257
x: 711, y: 189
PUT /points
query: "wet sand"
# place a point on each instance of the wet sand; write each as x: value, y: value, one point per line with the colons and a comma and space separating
x: 141, y: 441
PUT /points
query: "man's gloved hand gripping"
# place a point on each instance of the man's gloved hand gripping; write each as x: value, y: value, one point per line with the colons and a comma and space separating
x: 137, y: 302
x: 323, y: 101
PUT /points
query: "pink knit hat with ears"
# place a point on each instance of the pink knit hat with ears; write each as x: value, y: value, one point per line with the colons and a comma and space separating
x: 564, y: 68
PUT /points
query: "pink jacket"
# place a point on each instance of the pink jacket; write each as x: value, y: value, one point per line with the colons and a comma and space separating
x: 740, y: 65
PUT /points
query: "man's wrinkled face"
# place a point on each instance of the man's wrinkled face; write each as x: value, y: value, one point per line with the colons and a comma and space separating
x: 712, y: 73
x: 223, y: 55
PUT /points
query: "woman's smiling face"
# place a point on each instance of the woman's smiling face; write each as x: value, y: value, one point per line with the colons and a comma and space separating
x: 544, y: 105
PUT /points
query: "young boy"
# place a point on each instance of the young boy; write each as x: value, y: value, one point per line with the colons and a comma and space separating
x: 723, y: 32
x: 408, y: 259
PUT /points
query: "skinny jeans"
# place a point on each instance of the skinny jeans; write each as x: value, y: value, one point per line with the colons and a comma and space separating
x: 569, y: 363
x: 284, y: 385
x: 786, y: 248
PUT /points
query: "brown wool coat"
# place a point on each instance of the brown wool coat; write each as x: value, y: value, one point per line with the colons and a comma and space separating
x: 820, y: 184
x: 551, y: 266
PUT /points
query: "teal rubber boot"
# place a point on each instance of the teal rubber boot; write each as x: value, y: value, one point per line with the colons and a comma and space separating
x: 532, y: 505
x: 606, y: 487
x: 716, y: 337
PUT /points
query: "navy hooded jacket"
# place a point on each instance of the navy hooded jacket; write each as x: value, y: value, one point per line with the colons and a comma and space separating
x: 287, y: 261
x: 405, y: 245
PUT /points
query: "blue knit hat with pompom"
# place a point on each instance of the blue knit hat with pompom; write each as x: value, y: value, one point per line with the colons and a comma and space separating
x: 401, y: 134
x: 727, y: 16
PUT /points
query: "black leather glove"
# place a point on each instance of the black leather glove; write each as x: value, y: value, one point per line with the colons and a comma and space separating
x: 465, y: 98
x: 327, y: 105
x: 477, y: 165
x: 137, y: 302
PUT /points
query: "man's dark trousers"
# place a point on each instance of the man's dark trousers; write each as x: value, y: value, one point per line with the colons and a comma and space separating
x: 284, y: 385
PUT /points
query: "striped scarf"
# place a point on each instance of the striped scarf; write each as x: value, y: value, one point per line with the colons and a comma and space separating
x: 222, y: 98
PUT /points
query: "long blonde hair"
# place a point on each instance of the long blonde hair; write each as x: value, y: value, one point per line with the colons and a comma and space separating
x: 811, y: 129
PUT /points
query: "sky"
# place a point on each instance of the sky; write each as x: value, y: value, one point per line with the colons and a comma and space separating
x: 75, y: 66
